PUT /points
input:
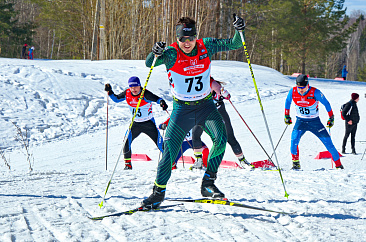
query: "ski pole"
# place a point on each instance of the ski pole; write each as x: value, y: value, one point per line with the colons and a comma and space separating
x: 260, y: 103
x: 106, y: 138
x: 130, y: 127
x: 250, y: 130
x: 163, y: 141
x: 331, y: 160
x: 363, y: 154
x: 280, y: 140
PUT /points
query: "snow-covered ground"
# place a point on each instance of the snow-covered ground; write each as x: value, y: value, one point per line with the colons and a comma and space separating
x: 63, y: 106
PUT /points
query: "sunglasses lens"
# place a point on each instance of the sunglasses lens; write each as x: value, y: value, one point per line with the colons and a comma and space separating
x: 184, y: 39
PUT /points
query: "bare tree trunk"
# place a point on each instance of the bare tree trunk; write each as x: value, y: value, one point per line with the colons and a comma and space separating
x: 59, y: 48
x: 53, y: 42
x: 93, y: 53
x: 102, y: 47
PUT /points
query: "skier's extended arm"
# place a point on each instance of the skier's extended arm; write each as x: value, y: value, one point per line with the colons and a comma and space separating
x: 288, y: 102
x: 168, y: 55
x: 149, y: 96
x: 116, y: 98
x: 217, y: 45
x: 320, y: 96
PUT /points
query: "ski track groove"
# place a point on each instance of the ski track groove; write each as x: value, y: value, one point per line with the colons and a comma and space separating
x: 32, y: 217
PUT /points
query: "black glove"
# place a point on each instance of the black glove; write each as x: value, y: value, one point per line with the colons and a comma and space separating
x: 330, y: 122
x: 288, y: 120
x: 108, y: 88
x: 162, y: 126
x: 238, y: 23
x: 163, y: 104
x: 158, y: 48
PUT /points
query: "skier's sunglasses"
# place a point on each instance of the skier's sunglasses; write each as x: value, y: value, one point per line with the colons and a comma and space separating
x: 184, y: 39
x: 302, y: 87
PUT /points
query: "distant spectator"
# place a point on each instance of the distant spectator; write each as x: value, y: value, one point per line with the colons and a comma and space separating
x: 351, y: 117
x: 30, y: 53
x: 344, y: 72
x: 24, y: 51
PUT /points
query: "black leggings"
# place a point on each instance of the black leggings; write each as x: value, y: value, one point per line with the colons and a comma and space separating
x: 350, y: 130
x: 149, y: 128
x: 197, y: 132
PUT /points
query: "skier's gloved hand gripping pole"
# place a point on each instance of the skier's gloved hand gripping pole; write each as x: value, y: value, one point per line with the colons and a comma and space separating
x: 129, y: 128
x: 240, y: 26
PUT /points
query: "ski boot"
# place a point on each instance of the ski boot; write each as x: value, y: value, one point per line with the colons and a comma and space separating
x: 296, y: 165
x: 128, y: 166
x: 343, y: 150
x: 338, y: 164
x: 245, y: 164
x: 354, y: 151
x: 198, y: 164
x: 155, y: 199
x: 208, y: 188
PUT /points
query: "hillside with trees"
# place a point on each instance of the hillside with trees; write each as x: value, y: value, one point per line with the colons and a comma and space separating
x: 315, y: 37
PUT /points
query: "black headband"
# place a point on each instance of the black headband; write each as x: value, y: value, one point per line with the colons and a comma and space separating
x: 185, y: 30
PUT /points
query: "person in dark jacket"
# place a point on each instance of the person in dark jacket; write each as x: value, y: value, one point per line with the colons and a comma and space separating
x: 24, y: 51
x: 351, y: 117
x: 344, y: 72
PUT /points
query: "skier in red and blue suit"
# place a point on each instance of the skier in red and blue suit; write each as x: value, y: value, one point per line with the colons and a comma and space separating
x: 306, y: 101
x: 144, y: 121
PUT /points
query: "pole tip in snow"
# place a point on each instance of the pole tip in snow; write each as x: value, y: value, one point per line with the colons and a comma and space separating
x: 286, y: 195
x: 101, y: 204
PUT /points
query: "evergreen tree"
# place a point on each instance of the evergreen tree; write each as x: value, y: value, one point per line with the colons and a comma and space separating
x: 12, y: 34
x: 305, y: 31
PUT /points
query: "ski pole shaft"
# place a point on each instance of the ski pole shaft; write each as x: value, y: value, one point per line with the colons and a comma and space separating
x: 363, y: 154
x: 129, y: 128
x: 260, y: 103
x: 106, y: 138
x: 250, y: 129
x: 280, y: 139
x: 331, y: 160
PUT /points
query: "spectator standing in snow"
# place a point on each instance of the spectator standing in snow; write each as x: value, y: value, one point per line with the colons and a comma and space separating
x: 218, y: 95
x: 306, y: 99
x: 188, y: 63
x: 351, y: 118
x: 24, y: 51
x: 144, y: 121
x: 344, y: 72
x: 30, y: 53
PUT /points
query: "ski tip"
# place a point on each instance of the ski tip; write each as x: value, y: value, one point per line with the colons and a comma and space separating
x: 95, y: 218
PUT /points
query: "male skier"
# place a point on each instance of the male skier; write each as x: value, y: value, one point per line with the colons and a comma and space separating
x: 188, y: 63
x: 144, y: 120
x: 306, y: 99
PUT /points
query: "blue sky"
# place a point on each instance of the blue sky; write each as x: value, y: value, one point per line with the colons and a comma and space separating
x: 355, y: 5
